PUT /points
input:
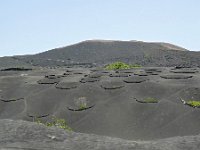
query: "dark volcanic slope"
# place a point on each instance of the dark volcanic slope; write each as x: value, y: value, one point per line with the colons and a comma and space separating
x: 23, y: 135
x: 104, y: 51
x: 114, y: 103
x: 7, y: 62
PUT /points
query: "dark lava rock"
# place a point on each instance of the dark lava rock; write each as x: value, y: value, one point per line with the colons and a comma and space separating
x: 176, y: 76
x: 11, y: 100
x: 125, y: 71
x: 66, y: 74
x: 119, y: 75
x: 16, y: 69
x: 69, y: 71
x: 152, y: 73
x: 79, y: 109
x: 67, y: 85
x: 112, y: 85
x: 149, y: 72
x: 184, y: 71
x: 141, y: 74
x: 135, y: 79
x: 77, y: 73
x: 38, y: 116
x: 181, y: 66
x: 87, y: 79
x: 103, y: 72
x: 48, y: 81
x: 99, y: 70
x: 52, y: 76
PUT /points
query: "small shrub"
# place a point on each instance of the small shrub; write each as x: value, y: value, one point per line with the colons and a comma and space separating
x: 83, y: 106
x: 193, y: 103
x: 121, y: 65
x: 38, y: 121
x: 150, y: 100
x: 56, y: 122
x: 82, y: 103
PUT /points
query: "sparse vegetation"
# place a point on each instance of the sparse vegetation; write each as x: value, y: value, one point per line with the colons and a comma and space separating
x: 83, y: 106
x: 150, y: 100
x: 193, y: 103
x: 55, y: 122
x: 121, y: 65
x: 82, y: 103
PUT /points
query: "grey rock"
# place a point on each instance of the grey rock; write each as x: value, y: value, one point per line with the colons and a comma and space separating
x: 15, y: 135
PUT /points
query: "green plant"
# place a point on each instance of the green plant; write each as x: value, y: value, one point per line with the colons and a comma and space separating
x: 150, y: 100
x: 37, y: 120
x: 121, y: 65
x: 82, y: 106
x: 56, y: 122
x: 82, y: 103
x: 193, y: 103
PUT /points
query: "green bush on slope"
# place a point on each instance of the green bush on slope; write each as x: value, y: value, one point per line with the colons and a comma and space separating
x: 193, y: 103
x: 121, y: 65
x: 56, y: 122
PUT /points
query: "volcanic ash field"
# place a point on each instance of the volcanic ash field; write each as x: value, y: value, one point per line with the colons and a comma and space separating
x: 141, y: 104
x: 74, y: 98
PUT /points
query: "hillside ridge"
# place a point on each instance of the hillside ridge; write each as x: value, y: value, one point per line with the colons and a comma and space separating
x: 94, y: 53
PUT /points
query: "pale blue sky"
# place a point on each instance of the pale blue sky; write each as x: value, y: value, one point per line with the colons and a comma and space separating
x: 32, y: 26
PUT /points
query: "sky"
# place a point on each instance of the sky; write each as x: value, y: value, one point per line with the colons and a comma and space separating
x: 33, y: 26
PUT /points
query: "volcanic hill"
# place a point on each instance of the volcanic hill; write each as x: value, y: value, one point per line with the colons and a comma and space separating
x: 100, y: 52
